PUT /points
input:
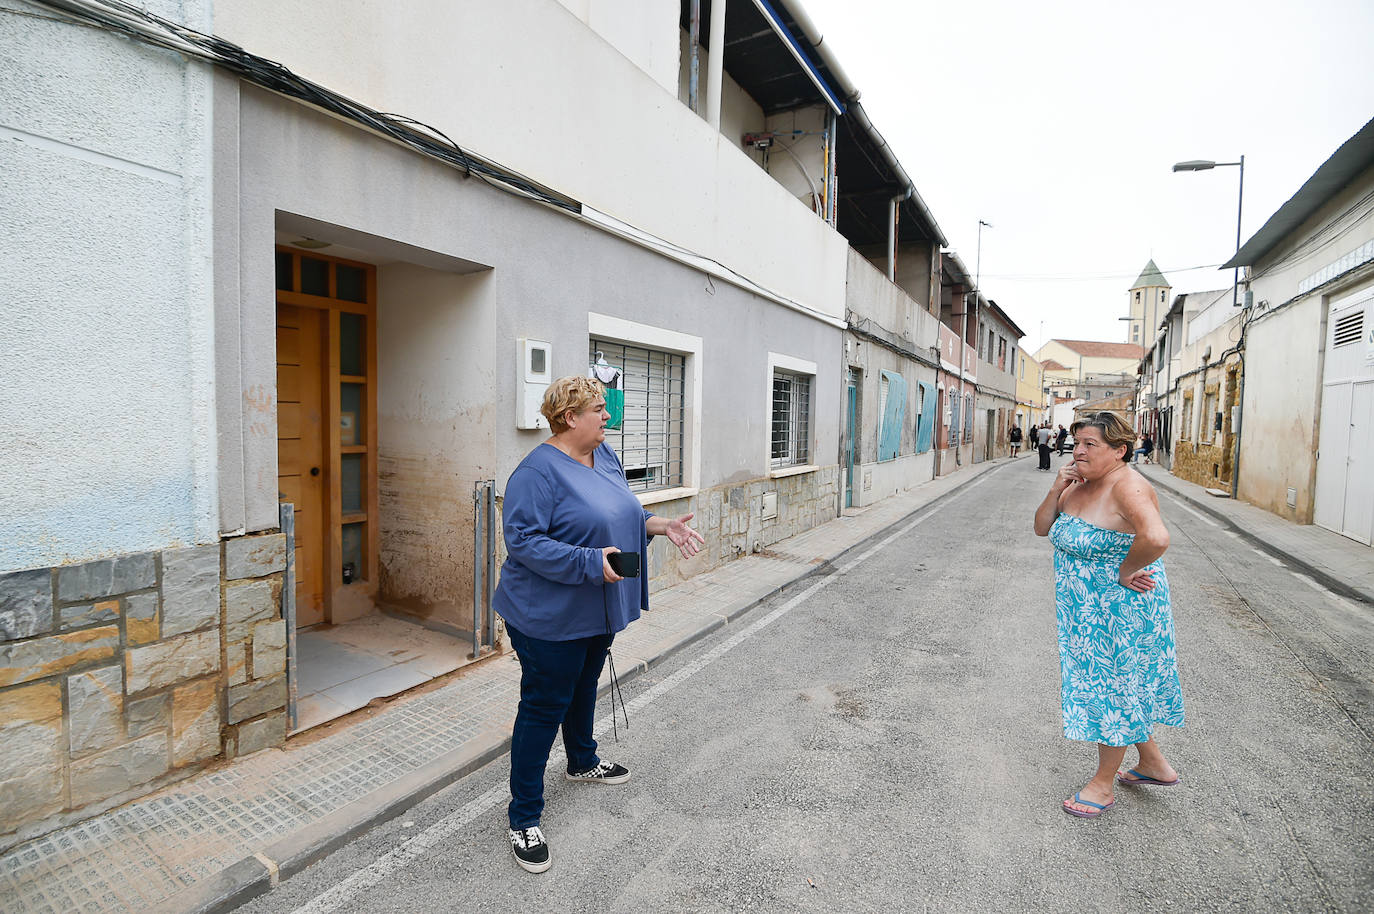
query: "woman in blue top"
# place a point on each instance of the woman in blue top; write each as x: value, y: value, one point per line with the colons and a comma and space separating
x: 567, y: 508
x: 1118, y: 665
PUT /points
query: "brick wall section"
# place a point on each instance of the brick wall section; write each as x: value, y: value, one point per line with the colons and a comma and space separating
x: 254, y: 644
x: 1194, y: 463
x: 120, y: 675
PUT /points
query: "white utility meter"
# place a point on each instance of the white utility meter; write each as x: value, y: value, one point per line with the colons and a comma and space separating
x: 533, y: 372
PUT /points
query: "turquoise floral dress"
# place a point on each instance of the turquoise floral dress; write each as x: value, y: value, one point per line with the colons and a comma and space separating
x: 1116, y: 646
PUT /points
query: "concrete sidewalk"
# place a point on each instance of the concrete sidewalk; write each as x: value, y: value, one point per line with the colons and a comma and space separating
x: 223, y: 836
x: 1338, y: 563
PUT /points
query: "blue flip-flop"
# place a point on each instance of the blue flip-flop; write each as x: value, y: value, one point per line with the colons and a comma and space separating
x: 1144, y: 780
x: 1101, y: 808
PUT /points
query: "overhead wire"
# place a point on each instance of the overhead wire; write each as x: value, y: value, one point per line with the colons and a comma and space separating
x: 149, y: 28
x: 1089, y: 276
x: 152, y: 29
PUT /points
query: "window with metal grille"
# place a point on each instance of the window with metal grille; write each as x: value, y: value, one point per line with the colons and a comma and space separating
x: 791, y: 428
x: 1348, y: 328
x: 1209, y: 409
x: 650, y: 438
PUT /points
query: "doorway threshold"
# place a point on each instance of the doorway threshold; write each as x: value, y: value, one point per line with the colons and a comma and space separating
x: 342, y: 668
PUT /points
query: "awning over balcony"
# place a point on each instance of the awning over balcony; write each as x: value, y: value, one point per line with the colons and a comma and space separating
x: 776, y: 54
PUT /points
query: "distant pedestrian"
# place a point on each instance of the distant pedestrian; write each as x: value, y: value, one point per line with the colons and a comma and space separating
x: 568, y: 510
x: 1059, y: 440
x: 1119, y: 671
x: 1147, y: 447
x: 1015, y: 439
x: 1042, y: 441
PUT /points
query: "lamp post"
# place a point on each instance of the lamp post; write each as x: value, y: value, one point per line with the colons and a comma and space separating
x: 1205, y: 165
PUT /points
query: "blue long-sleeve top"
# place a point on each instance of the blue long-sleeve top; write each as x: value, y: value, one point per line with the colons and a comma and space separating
x: 558, y: 514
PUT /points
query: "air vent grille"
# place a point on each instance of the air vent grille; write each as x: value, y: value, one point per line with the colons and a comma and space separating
x: 1348, y: 328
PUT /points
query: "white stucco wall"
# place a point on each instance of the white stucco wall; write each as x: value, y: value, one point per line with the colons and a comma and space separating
x: 645, y: 31
x: 1285, y: 348
x: 530, y: 85
x: 871, y: 294
x: 1280, y: 419
x: 106, y: 336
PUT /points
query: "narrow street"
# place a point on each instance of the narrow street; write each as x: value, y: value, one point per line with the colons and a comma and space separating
x: 889, y: 735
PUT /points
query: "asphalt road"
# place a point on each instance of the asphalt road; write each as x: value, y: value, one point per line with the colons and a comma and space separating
x: 889, y: 739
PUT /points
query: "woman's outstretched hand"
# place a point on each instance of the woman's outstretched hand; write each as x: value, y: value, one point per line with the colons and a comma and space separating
x: 687, y: 540
x: 1142, y: 581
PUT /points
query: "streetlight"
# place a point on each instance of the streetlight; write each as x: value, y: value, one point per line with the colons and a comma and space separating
x: 1205, y: 165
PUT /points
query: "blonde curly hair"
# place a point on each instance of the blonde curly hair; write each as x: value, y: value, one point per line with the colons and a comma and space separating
x: 570, y: 394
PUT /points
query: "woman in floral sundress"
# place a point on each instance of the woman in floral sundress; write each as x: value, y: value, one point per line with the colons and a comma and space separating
x: 1116, y: 631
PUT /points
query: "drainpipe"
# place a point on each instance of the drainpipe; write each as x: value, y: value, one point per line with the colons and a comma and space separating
x: 716, y: 64
x: 831, y: 173
x: 1240, y: 409
x: 893, y: 214
x: 1240, y: 413
x: 694, y: 41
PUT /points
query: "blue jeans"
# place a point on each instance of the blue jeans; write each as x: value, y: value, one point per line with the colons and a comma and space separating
x: 557, y: 687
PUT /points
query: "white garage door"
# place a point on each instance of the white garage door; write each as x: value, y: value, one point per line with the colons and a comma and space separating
x: 1345, y: 459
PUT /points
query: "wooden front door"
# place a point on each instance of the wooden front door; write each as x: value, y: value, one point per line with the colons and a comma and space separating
x: 327, y: 430
x: 301, y: 459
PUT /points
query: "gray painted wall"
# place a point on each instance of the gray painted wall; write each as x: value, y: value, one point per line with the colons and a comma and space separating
x: 447, y: 341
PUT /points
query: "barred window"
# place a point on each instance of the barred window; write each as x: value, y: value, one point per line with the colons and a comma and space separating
x: 791, y: 428
x: 650, y: 438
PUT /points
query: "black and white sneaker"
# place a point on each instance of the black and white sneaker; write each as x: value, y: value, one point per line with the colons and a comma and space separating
x: 530, y: 849
x: 603, y: 773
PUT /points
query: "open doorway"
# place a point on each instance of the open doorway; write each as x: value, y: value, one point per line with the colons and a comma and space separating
x: 349, y: 649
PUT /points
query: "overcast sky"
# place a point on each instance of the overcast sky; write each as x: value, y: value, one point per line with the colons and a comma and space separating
x: 1059, y: 122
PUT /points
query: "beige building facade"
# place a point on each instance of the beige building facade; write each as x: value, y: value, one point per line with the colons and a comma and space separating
x: 1307, y: 419
x: 1206, y: 378
x: 1030, y: 393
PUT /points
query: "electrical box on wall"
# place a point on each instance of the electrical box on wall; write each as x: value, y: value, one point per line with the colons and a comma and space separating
x: 533, y: 372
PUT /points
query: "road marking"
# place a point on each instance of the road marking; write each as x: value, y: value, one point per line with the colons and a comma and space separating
x: 437, y: 834
x: 1309, y: 582
x: 1206, y: 520
x: 1334, y: 597
x: 1319, y: 588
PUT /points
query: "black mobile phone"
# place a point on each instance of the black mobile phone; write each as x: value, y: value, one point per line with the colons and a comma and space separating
x: 625, y: 564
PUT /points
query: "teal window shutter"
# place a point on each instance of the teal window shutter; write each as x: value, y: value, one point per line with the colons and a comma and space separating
x: 925, y: 422
x: 894, y: 410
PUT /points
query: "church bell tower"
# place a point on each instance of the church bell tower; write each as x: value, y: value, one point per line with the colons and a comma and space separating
x: 1148, y: 302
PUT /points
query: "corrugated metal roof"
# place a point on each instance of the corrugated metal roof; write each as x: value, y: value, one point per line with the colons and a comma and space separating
x: 759, y: 60
x: 1346, y: 163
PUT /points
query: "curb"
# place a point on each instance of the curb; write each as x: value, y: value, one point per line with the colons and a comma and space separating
x: 1320, y: 575
x: 255, y: 875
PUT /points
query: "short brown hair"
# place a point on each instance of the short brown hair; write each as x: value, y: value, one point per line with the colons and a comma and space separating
x: 1115, y: 430
x: 571, y: 394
